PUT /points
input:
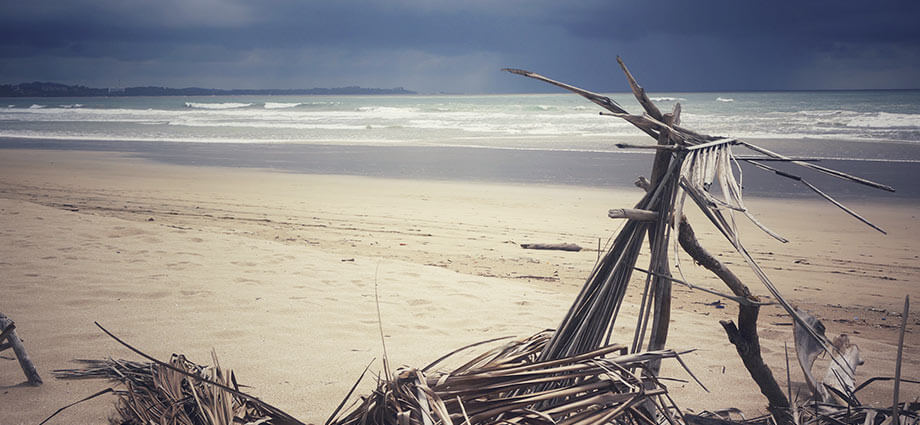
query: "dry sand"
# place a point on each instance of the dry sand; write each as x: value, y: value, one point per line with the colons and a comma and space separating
x: 277, y: 273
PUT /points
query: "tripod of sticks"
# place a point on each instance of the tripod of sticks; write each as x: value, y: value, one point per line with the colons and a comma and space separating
x: 686, y: 165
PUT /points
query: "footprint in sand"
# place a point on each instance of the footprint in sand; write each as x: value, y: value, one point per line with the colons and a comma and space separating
x: 305, y: 300
x: 157, y: 295
x: 80, y: 302
x: 192, y: 293
x: 464, y: 295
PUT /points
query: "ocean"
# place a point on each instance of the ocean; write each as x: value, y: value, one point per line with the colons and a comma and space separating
x: 529, y: 138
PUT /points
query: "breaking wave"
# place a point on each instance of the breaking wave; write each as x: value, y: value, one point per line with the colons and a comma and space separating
x: 724, y: 99
x: 885, y: 120
x: 226, y: 105
x: 281, y: 105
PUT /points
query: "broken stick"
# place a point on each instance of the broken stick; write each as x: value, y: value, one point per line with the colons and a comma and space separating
x: 552, y: 246
x: 8, y: 331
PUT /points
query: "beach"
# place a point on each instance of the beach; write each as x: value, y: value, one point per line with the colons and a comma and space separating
x: 282, y: 274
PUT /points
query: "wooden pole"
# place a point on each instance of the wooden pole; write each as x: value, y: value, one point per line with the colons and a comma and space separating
x: 661, y: 285
x: 895, y: 413
x: 9, y: 332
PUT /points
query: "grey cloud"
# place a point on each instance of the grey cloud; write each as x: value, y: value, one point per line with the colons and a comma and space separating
x: 459, y: 46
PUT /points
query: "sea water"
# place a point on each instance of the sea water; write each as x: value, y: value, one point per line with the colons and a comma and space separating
x: 545, y: 121
x: 563, y: 133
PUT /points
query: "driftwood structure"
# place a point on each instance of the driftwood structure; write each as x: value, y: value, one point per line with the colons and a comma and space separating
x: 577, y: 374
x: 9, y: 340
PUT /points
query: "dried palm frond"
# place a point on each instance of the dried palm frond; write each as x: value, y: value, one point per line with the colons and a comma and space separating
x: 509, y: 384
x: 155, y: 394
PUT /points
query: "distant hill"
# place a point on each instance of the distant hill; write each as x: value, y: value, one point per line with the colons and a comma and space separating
x: 40, y: 89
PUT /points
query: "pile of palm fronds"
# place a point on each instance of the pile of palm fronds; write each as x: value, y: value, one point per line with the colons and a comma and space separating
x: 503, y: 385
x: 506, y: 384
x: 158, y: 394
x: 509, y: 384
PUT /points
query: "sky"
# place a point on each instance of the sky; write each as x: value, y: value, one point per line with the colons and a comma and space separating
x: 456, y: 46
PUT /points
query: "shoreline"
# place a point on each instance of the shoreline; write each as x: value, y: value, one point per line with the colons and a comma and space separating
x: 492, y: 165
x: 185, y: 258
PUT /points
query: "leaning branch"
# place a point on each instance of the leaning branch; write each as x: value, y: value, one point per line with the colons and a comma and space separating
x: 825, y: 170
x: 815, y: 189
x: 744, y: 337
x: 601, y: 100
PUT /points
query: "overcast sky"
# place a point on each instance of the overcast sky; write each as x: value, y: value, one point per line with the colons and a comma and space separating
x: 459, y: 47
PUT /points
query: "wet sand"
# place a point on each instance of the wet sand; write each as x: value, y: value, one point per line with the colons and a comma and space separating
x: 894, y: 164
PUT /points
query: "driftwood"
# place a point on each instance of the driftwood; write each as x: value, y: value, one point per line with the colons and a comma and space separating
x: 661, y: 284
x: 633, y: 214
x: 744, y: 336
x: 552, y: 246
x: 8, y: 333
x: 686, y: 164
x: 694, y: 163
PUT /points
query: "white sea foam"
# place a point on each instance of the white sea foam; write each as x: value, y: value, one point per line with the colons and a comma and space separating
x: 36, y: 106
x: 267, y: 125
x: 71, y: 106
x: 667, y: 99
x: 225, y: 105
x: 387, y: 112
x: 823, y: 112
x: 531, y: 121
x: 885, y: 120
x: 724, y: 99
x: 281, y: 105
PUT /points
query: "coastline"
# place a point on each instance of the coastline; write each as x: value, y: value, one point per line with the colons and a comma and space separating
x: 276, y: 271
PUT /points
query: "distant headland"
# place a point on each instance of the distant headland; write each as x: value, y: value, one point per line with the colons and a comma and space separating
x: 40, y: 89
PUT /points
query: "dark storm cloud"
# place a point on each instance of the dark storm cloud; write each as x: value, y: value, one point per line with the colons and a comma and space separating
x: 459, y: 46
x: 809, y: 21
